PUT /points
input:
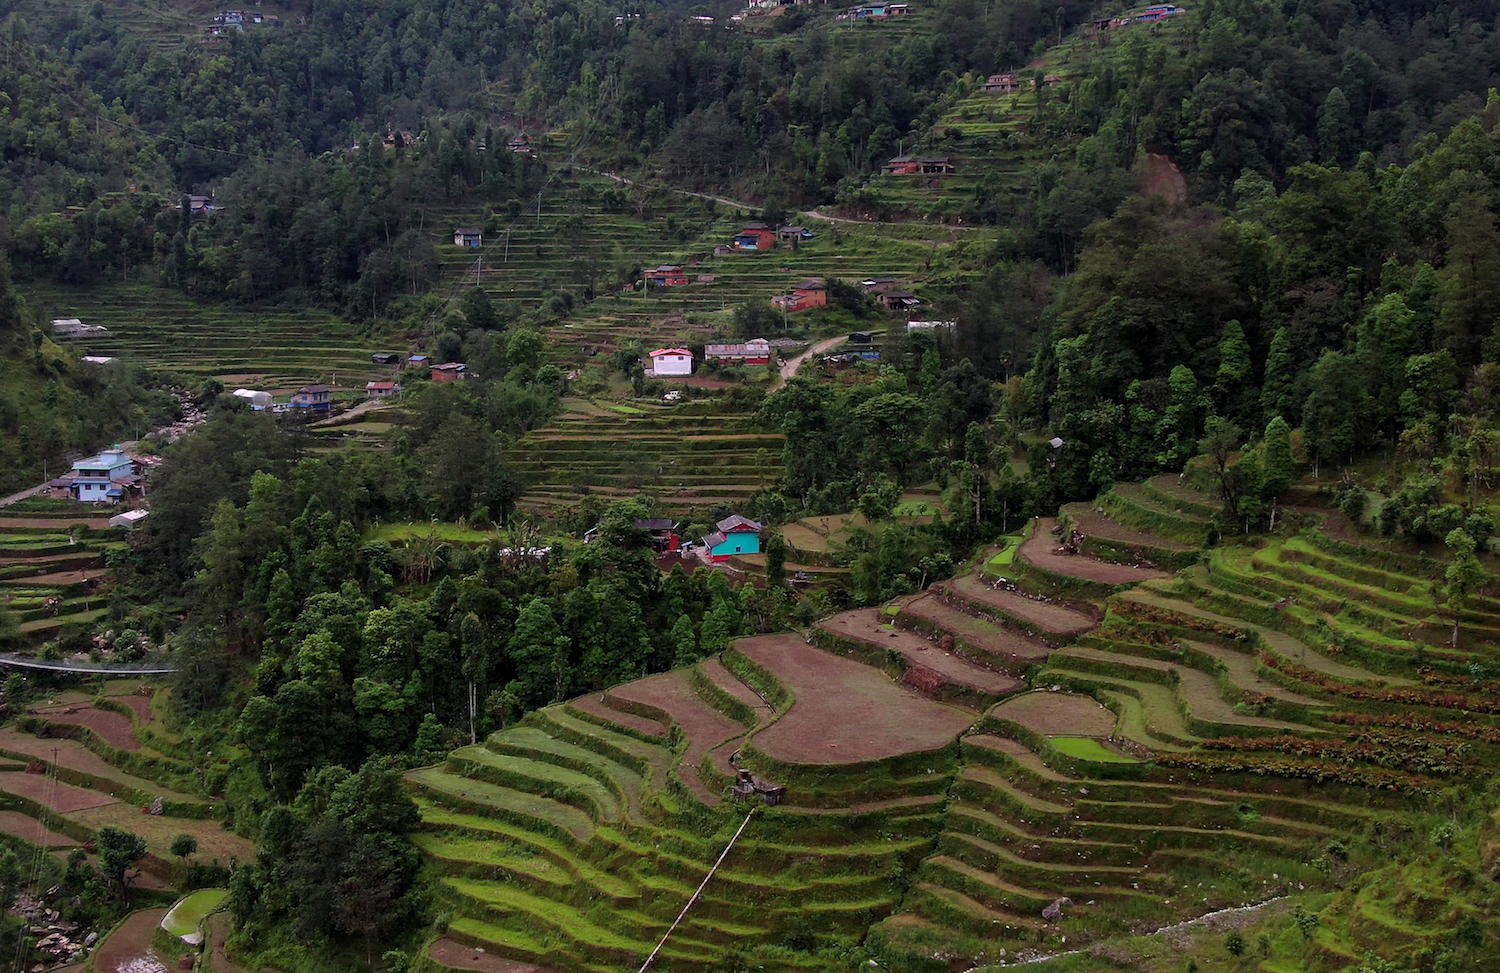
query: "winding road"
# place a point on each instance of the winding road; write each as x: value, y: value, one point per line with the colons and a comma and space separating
x: 789, y: 370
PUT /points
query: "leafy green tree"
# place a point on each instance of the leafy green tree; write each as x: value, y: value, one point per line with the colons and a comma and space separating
x: 538, y: 650
x: 775, y: 559
x: 1232, y: 386
x: 684, y: 643
x: 1280, y: 464
x: 184, y: 846
x: 1463, y: 575
x: 1470, y: 279
x: 1280, y: 372
x: 119, y: 850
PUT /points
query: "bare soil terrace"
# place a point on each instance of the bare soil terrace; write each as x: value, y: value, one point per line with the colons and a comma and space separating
x: 866, y: 625
x: 1057, y: 714
x: 1042, y: 550
x: 845, y: 712
x: 1056, y: 619
x: 113, y: 728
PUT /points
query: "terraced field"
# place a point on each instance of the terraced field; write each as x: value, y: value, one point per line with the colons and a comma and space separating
x: 267, y: 348
x: 690, y: 456
x: 1189, y: 743
x: 71, y: 767
x: 52, y: 573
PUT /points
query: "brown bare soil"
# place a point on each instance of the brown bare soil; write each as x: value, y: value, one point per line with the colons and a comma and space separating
x: 217, y: 928
x: 1057, y: 714
x: 592, y: 706
x: 113, y: 728
x: 53, y: 794
x: 128, y: 948
x: 457, y: 956
x: 75, y: 756
x: 214, y: 843
x: 731, y: 684
x: 27, y: 828
x: 1163, y: 178
x: 141, y: 705
x: 1042, y: 549
x: 704, y: 726
x: 61, y: 578
x: 55, y: 523
x: 1006, y: 644
x: 1092, y: 522
x: 865, y: 625
x: 845, y: 712
x: 1045, y: 616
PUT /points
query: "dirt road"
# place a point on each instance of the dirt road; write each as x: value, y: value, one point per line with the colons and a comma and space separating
x: 789, y: 370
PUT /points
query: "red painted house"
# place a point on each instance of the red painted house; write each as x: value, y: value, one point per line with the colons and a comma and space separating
x: 667, y: 275
x: 809, y: 293
x: 755, y: 236
x: 451, y: 372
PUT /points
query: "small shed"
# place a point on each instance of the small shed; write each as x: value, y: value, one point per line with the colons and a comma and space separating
x: 449, y: 372
x: 468, y: 236
x: 258, y: 401
x: 386, y: 358
x: 861, y: 337
x: 129, y: 518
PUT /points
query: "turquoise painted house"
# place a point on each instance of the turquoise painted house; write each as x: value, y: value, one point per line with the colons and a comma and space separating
x: 736, y: 535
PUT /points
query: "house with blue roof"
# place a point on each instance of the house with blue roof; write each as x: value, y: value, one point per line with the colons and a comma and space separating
x: 103, y: 478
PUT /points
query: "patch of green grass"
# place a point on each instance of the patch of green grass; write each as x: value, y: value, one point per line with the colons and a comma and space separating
x: 185, y: 916
x: 452, y: 533
x: 1087, y: 748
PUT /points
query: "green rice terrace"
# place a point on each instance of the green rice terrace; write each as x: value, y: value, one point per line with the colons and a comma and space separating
x: 52, y: 570
x: 689, y: 454
x: 1048, y: 752
x: 273, y: 349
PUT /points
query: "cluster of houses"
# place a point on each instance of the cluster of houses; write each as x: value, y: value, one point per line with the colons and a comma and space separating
x: 446, y: 372
x: 1160, y: 11
x: 888, y: 294
x: 1002, y: 83
x: 875, y: 11
x: 910, y: 165
x: 759, y: 237
x: 74, y: 328
x: 226, y: 21
x: 732, y: 535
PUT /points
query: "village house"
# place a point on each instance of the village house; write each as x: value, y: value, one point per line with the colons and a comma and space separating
x: 450, y: 372
x: 671, y: 361
x: 417, y: 361
x: 808, y: 294
x: 1052, y: 81
x: 908, y: 165
x: 200, y: 205
x: 468, y: 236
x: 861, y: 337
x: 520, y: 145
x: 791, y: 234
x: 930, y: 325
x: 103, y: 478
x: 1159, y: 12
x: 386, y: 358
x: 898, y: 300
x: 74, y: 328
x: 1001, y: 83
x: 661, y: 532
x: 667, y: 275
x: 755, y: 236
x: 381, y: 390
x: 878, y: 285
x: 735, y: 535
x: 315, y: 397
x: 756, y: 351
x: 258, y: 401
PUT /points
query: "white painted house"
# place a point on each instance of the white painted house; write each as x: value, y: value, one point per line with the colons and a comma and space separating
x: 671, y: 361
x: 102, y: 478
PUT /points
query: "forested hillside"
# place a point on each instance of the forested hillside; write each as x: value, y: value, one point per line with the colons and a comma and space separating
x: 1216, y: 295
